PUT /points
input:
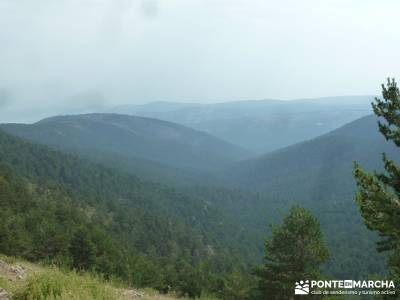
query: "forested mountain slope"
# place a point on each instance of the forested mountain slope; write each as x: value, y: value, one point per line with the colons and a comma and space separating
x: 228, y: 223
x: 308, y: 165
x: 140, y: 145
x: 263, y: 125
x: 154, y: 233
x: 318, y: 174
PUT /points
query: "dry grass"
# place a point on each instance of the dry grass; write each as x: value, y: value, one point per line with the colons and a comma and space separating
x: 27, y: 281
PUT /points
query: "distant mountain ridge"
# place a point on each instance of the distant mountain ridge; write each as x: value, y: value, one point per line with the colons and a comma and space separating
x: 356, y: 141
x: 260, y: 125
x: 132, y: 142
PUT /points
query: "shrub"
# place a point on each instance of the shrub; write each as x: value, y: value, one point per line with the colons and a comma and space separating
x: 55, y: 284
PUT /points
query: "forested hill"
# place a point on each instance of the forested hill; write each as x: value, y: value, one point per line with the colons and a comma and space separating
x: 318, y: 175
x: 160, y: 236
x: 136, y: 144
x: 309, y: 166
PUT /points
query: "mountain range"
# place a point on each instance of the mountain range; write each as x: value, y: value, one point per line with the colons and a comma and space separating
x: 261, y: 125
x: 247, y: 194
x: 143, y: 146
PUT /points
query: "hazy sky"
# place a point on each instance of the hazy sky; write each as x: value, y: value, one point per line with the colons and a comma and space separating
x: 65, y: 55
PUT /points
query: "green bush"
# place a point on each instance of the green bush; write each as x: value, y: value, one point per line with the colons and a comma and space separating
x: 55, y: 284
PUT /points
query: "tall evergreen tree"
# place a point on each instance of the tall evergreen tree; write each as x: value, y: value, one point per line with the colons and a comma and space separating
x: 378, y: 195
x: 82, y: 250
x: 293, y: 253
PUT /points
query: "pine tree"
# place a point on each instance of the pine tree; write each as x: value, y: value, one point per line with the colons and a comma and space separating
x: 237, y: 285
x: 82, y: 250
x: 378, y: 192
x: 293, y: 253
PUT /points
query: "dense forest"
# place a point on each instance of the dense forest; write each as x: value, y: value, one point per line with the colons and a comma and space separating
x: 205, y: 233
x: 154, y: 232
x: 249, y: 194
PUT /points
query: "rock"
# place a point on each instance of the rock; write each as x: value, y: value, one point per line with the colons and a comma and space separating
x: 12, y: 272
x: 130, y: 294
x: 4, y: 295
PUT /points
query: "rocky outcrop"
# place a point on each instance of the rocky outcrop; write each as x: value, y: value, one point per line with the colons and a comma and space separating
x: 12, y: 272
x: 4, y: 295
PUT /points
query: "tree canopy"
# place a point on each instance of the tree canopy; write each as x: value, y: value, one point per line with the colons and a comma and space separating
x: 294, y: 252
x: 378, y: 192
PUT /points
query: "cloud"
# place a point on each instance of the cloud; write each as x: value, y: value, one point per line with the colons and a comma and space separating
x: 199, y: 50
x: 149, y: 8
x: 5, y: 98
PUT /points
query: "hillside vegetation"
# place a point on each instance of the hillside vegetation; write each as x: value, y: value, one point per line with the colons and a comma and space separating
x: 57, y: 207
x: 191, y: 239
x: 22, y: 280
x: 231, y: 220
x: 318, y: 174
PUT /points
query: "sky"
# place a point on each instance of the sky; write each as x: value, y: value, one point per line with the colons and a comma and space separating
x: 69, y: 56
